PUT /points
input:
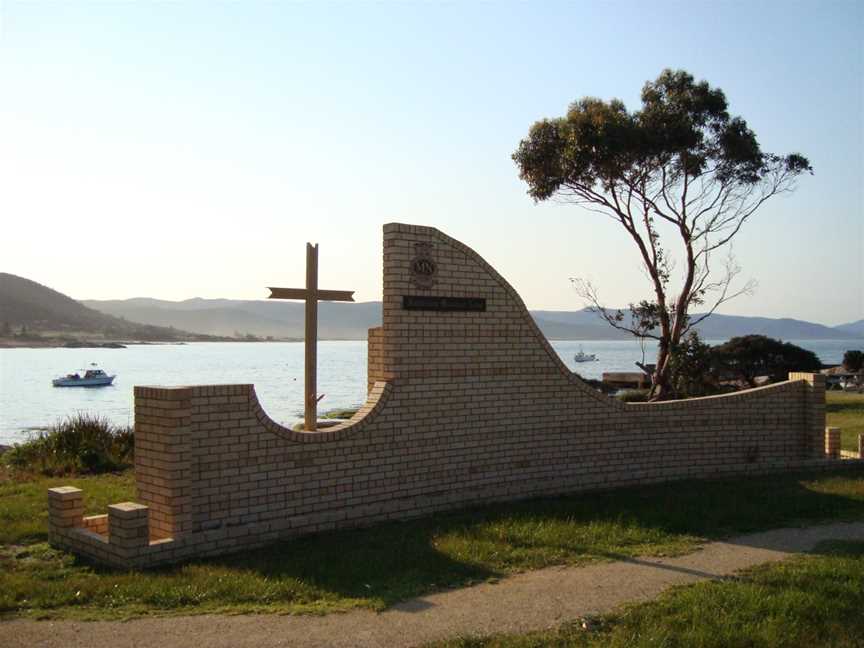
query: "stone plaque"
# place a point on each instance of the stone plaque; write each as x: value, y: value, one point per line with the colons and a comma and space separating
x: 445, y: 304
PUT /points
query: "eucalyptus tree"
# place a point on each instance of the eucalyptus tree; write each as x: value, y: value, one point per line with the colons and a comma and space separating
x: 681, y: 176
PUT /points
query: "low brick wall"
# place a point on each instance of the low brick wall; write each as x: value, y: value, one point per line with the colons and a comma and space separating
x: 464, y: 407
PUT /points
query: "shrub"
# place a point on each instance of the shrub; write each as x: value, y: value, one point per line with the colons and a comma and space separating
x: 750, y: 356
x: 83, y: 443
x: 692, y: 368
x: 633, y: 395
x: 853, y: 361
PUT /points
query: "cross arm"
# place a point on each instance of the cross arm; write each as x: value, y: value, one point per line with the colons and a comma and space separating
x: 321, y: 295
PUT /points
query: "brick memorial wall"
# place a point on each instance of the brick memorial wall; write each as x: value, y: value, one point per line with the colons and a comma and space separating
x: 468, y: 403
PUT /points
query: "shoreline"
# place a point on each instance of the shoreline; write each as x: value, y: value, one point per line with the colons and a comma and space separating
x: 75, y: 344
x: 54, y: 343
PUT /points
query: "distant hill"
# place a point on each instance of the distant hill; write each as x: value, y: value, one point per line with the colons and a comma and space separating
x: 25, y: 303
x: 279, y: 319
x: 853, y: 329
x: 283, y: 319
x: 575, y: 325
x: 726, y: 326
x: 716, y: 327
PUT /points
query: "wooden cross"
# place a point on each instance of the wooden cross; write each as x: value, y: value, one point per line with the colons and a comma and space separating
x: 312, y: 296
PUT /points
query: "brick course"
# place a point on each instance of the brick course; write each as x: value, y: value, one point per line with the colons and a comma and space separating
x: 463, y: 408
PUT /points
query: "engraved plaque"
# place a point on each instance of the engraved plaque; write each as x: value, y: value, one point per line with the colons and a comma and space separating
x: 444, y: 304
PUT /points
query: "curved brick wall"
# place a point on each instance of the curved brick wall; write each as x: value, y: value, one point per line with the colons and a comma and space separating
x: 464, y: 407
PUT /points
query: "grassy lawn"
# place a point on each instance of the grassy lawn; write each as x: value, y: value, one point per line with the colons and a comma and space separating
x: 24, y: 505
x: 846, y: 411
x: 379, y: 566
x: 809, y: 602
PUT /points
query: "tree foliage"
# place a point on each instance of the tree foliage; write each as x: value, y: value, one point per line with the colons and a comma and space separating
x: 750, y: 356
x: 853, y: 361
x: 693, y: 368
x: 680, y: 168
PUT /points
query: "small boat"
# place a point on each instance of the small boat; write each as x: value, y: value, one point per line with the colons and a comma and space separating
x: 91, y: 378
x: 581, y: 356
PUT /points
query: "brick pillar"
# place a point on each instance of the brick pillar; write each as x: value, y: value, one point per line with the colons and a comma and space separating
x: 832, y: 442
x: 375, y: 358
x: 163, y: 420
x: 128, y: 529
x: 65, y: 509
x: 398, y: 252
x: 813, y: 441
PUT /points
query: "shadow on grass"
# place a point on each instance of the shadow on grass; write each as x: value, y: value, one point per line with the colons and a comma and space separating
x: 380, y: 566
x: 387, y: 563
x: 840, y: 548
x: 394, y: 561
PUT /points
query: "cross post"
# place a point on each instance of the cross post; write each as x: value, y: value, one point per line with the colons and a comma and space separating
x: 311, y: 295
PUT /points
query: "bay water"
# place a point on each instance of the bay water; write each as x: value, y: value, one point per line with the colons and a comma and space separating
x: 28, y: 401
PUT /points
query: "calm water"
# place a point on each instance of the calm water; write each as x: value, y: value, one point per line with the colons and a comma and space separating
x: 28, y: 400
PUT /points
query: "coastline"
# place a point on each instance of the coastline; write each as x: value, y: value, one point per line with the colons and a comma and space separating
x: 65, y: 343
x: 71, y: 344
x: 27, y: 399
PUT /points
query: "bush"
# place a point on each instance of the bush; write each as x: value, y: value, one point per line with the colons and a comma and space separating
x: 693, y: 368
x: 750, y: 356
x: 853, y: 361
x: 83, y: 443
x: 633, y: 395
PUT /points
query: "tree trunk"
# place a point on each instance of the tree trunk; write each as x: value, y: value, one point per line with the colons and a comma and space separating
x: 661, y: 389
x: 671, y: 337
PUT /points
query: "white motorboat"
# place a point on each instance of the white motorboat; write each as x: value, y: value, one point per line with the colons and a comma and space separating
x: 91, y: 378
x: 581, y: 356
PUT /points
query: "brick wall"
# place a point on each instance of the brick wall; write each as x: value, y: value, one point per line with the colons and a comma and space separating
x: 464, y: 407
x: 375, y: 357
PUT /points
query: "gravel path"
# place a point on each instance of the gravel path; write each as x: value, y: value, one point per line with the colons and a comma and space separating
x: 529, y: 601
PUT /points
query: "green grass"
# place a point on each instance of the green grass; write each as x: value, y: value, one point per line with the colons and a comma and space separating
x: 24, y: 502
x: 332, y: 417
x: 846, y: 411
x: 808, y: 602
x: 379, y: 566
x: 340, y: 413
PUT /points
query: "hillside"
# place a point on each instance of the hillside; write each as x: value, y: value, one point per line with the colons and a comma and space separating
x: 282, y: 319
x: 39, y: 309
x: 853, y: 329
x: 716, y: 327
x: 279, y: 319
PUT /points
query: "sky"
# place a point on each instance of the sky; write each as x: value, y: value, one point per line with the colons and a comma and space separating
x: 191, y: 149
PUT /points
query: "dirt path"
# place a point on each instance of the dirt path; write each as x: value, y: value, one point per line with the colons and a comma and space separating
x: 529, y: 601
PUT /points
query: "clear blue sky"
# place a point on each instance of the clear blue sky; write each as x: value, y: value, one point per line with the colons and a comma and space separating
x: 190, y: 149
